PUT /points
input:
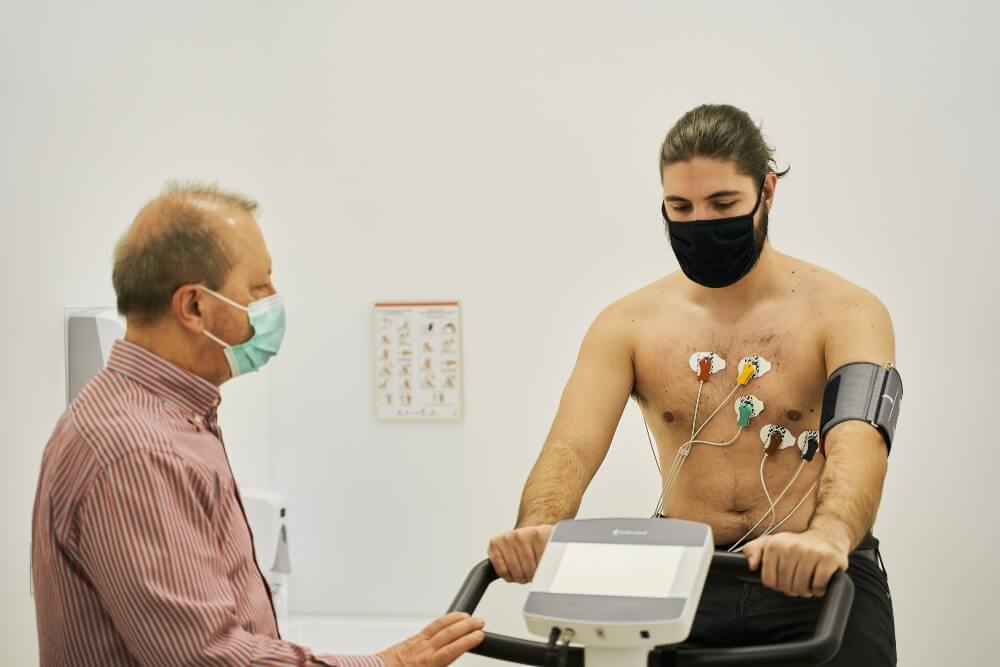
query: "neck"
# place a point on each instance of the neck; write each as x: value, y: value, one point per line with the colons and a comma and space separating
x: 761, y: 282
x: 173, y: 345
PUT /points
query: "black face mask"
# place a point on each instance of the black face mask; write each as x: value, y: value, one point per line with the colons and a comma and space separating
x: 717, y: 253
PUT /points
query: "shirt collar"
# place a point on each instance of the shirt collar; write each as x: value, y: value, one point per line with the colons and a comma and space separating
x: 164, y: 378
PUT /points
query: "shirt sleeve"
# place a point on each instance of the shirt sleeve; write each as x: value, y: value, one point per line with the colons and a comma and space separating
x: 353, y: 660
x: 147, y: 542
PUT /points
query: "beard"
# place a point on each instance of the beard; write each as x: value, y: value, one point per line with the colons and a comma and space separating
x: 759, y: 237
x: 760, y: 232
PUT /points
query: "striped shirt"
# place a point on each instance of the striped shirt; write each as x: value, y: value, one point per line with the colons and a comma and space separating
x: 141, y: 552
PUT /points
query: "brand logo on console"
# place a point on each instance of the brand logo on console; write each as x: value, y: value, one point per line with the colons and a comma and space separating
x: 618, y: 531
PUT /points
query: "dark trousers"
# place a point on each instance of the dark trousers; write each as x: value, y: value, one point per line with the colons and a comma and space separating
x: 737, y: 613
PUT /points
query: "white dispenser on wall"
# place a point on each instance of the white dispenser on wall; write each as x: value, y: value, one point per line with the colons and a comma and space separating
x: 266, y: 514
x: 90, y: 333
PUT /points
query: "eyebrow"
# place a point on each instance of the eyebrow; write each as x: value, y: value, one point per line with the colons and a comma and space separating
x: 714, y: 195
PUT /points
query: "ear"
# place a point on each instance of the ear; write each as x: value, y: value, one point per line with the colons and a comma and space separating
x: 770, y: 184
x: 186, y: 306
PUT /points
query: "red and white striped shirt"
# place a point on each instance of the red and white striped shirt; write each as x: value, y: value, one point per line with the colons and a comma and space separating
x: 141, y: 553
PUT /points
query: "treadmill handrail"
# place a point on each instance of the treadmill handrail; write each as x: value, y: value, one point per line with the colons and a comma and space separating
x: 822, y: 646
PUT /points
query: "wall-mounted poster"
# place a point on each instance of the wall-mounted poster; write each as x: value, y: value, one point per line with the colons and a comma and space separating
x: 418, y: 361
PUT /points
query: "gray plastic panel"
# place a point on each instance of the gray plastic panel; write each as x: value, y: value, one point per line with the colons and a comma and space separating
x: 603, y: 608
x: 660, y: 532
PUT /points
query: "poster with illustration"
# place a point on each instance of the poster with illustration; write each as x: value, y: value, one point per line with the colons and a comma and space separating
x: 418, y: 361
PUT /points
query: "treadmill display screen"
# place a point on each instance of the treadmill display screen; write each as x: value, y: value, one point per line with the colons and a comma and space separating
x: 630, y: 570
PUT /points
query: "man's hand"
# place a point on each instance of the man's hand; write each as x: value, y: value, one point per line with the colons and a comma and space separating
x: 516, y: 553
x: 797, y: 564
x: 439, y: 644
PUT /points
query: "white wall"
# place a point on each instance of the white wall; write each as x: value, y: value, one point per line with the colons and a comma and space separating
x: 504, y: 154
x: 375, y: 509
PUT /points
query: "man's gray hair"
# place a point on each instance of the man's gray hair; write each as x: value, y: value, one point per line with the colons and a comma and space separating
x: 178, y: 246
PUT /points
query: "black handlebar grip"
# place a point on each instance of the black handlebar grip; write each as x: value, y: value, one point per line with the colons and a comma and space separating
x: 474, y: 587
x: 822, y: 646
x: 501, y: 647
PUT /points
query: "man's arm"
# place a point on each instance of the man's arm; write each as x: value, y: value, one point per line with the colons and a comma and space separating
x: 589, y: 412
x: 850, y: 486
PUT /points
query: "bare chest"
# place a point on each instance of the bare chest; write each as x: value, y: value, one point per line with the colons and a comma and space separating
x: 670, y: 393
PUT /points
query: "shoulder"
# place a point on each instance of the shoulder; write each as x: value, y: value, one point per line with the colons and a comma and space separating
x: 856, y: 324
x: 645, y: 303
x: 621, y: 321
x: 108, y: 422
x: 115, y: 417
x: 836, y: 297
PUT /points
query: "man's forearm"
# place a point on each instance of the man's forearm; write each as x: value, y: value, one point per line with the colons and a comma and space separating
x: 850, y: 487
x: 555, y: 486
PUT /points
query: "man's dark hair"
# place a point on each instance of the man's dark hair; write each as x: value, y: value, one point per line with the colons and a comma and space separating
x: 722, y: 132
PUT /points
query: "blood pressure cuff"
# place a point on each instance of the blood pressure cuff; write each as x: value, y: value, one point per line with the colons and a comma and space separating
x: 866, y: 392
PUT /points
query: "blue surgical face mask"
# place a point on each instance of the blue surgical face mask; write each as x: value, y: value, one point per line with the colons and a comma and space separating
x: 267, y: 317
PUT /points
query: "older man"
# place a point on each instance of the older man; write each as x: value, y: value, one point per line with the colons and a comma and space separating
x: 141, y: 550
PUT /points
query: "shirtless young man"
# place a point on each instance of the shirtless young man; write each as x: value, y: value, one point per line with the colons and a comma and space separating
x: 736, y: 296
